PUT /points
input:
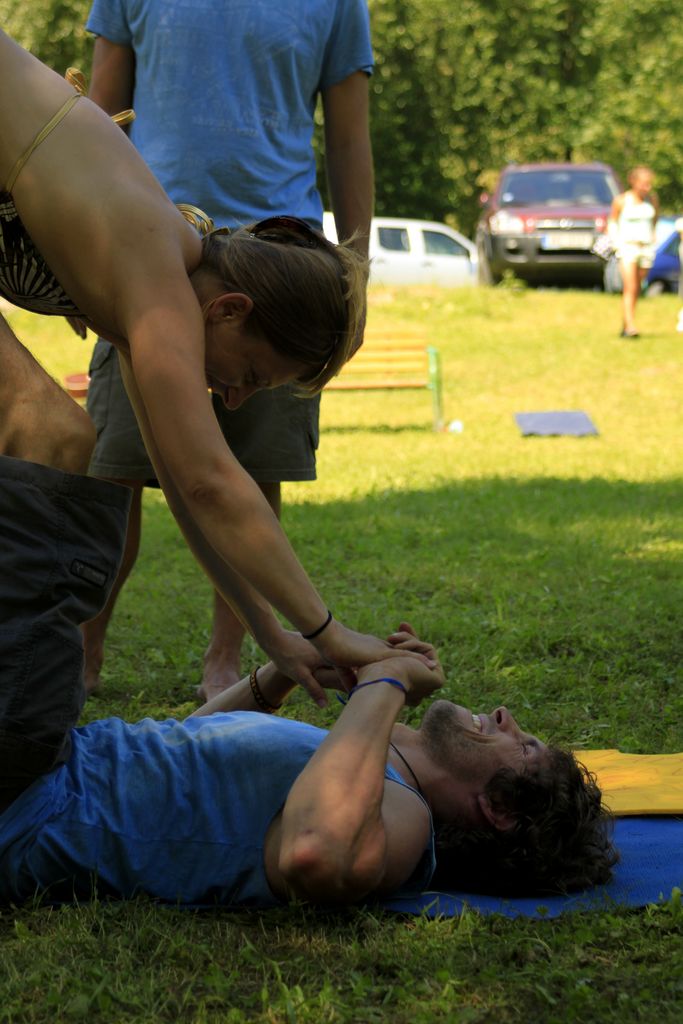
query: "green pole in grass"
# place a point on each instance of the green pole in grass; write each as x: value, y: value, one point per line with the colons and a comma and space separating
x: 435, y: 385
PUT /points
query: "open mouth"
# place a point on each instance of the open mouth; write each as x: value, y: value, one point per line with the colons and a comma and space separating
x: 476, y: 723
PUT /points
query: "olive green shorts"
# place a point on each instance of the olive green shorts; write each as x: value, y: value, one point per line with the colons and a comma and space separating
x: 274, y: 435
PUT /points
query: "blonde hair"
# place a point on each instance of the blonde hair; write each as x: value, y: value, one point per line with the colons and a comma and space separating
x: 309, y: 300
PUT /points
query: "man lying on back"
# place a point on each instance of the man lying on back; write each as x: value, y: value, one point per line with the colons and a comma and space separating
x: 235, y: 805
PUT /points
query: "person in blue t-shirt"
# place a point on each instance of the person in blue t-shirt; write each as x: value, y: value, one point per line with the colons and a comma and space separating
x: 236, y: 806
x: 225, y: 95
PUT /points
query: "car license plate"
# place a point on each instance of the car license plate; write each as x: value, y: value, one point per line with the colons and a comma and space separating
x: 554, y: 240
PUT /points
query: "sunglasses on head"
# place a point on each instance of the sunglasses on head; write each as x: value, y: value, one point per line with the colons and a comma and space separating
x: 289, y: 229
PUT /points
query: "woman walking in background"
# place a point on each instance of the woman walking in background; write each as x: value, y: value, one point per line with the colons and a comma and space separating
x: 632, y: 227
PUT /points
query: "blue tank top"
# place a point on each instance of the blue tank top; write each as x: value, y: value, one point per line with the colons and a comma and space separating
x: 176, y: 810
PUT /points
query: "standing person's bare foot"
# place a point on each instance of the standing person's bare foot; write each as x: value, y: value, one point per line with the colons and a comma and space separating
x: 220, y: 673
x: 222, y: 657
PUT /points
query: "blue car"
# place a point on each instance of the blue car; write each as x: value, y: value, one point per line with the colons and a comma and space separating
x: 666, y: 269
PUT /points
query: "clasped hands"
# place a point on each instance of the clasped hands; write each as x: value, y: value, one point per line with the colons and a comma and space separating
x: 345, y: 654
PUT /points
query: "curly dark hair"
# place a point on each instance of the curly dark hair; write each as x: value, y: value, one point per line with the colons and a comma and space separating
x: 561, y: 841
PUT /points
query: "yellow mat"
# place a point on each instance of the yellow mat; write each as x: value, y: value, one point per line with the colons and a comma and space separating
x: 637, y: 783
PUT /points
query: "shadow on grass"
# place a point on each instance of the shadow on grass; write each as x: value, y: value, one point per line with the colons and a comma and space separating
x: 560, y: 597
x: 380, y: 428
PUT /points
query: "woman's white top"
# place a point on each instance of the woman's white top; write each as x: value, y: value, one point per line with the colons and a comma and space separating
x: 636, y: 221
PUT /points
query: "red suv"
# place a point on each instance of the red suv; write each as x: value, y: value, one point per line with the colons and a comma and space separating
x: 542, y: 221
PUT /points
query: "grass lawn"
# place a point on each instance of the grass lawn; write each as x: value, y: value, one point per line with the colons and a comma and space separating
x: 549, y: 573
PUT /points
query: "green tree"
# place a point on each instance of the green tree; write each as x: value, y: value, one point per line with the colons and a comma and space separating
x: 53, y: 30
x: 484, y: 84
x: 638, y: 94
x: 461, y: 90
x: 409, y: 137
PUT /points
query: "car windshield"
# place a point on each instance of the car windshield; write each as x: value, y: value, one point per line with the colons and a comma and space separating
x: 558, y: 188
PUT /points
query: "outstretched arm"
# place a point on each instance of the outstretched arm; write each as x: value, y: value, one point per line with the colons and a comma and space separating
x: 234, y: 533
x: 345, y: 832
x: 208, y: 491
x: 295, y: 657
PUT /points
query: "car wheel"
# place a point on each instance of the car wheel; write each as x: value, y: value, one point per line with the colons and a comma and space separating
x: 485, y: 274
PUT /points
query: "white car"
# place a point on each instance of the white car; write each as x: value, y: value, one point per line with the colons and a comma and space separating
x: 406, y: 251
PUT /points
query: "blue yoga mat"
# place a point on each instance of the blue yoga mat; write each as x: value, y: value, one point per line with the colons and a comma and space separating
x: 651, y: 866
x: 572, y: 422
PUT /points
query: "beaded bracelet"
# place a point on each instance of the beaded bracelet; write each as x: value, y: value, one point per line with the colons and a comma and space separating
x: 318, y: 631
x: 259, y: 699
x: 384, y: 679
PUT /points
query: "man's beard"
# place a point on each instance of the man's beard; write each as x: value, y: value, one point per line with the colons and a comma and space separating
x: 449, y: 744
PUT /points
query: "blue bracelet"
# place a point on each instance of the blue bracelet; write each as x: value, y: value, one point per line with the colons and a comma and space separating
x: 384, y: 679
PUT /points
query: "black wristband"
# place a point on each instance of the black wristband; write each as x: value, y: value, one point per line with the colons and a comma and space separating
x: 318, y: 631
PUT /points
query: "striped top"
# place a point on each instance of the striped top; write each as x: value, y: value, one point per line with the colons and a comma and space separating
x: 25, y: 278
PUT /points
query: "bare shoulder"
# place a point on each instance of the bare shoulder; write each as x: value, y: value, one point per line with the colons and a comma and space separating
x: 31, y: 93
x: 618, y: 204
x: 101, y: 220
x: 407, y: 826
x: 91, y: 206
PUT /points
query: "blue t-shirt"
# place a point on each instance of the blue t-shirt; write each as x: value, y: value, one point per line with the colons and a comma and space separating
x: 225, y: 94
x: 176, y: 810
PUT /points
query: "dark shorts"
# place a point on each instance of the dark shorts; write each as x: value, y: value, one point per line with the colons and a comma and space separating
x: 274, y: 435
x: 61, y: 538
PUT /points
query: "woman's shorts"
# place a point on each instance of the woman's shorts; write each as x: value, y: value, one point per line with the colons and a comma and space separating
x: 641, y: 254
